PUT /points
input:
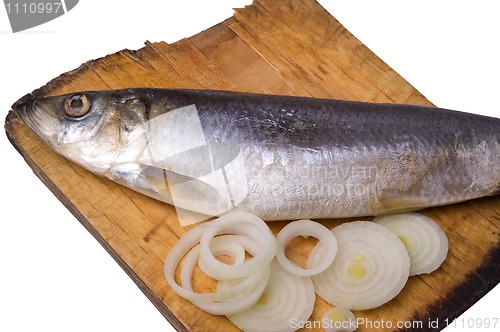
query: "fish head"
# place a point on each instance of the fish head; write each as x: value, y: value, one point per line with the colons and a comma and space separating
x: 85, y: 127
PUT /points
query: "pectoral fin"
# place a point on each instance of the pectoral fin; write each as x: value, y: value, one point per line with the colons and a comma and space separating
x: 194, y: 199
x: 183, y: 187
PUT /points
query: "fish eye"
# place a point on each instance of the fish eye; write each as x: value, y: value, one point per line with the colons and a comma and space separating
x: 76, y: 105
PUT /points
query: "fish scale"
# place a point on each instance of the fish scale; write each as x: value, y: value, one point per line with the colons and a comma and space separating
x: 279, y: 157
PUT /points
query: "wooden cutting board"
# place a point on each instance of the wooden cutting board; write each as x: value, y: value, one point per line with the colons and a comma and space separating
x: 291, y: 47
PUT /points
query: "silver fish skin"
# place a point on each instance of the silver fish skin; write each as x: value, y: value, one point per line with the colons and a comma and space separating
x: 279, y: 157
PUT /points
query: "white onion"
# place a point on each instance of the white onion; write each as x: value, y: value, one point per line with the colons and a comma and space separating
x: 339, y: 320
x: 306, y: 228
x: 227, y: 242
x: 425, y: 241
x: 287, y: 297
x: 370, y: 268
x: 224, y: 245
x: 185, y: 243
x: 237, y: 223
x: 233, y: 246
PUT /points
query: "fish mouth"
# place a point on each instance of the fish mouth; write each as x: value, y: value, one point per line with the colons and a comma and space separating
x: 36, y: 117
x: 24, y: 105
x: 24, y: 108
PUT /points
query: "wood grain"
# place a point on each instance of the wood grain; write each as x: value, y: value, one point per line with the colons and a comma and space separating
x: 291, y: 47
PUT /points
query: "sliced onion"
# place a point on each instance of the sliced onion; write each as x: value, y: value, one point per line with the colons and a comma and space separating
x: 233, y: 246
x: 328, y: 248
x: 339, y: 320
x: 227, y: 242
x: 370, y: 268
x: 234, y: 223
x: 223, y: 245
x: 240, y: 302
x: 425, y: 241
x: 185, y: 243
x: 245, y: 238
x: 287, y: 297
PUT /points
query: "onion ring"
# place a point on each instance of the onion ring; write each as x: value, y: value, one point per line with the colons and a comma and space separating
x: 265, y: 240
x: 371, y: 267
x: 327, y: 245
x: 339, y: 320
x: 185, y: 243
x: 279, y: 306
x: 425, y: 241
x: 232, y: 246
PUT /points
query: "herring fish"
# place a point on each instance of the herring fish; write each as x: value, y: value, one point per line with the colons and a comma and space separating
x: 279, y: 157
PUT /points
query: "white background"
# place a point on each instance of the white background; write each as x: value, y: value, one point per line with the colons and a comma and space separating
x: 53, y: 275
